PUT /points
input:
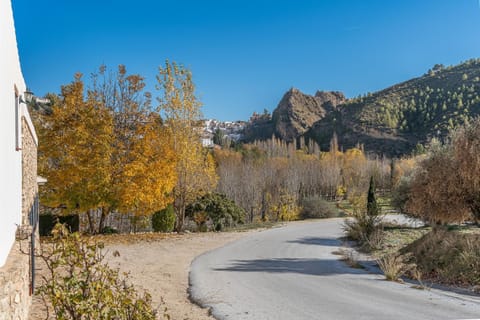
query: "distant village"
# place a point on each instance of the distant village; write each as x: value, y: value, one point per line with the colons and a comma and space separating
x: 225, y: 132
x: 219, y: 132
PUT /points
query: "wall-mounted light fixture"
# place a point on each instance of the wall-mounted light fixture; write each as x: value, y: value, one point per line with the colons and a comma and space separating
x: 29, y: 98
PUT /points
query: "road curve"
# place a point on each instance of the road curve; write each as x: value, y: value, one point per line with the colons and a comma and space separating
x: 290, y: 273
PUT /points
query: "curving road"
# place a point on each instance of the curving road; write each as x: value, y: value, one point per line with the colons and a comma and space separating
x: 290, y: 273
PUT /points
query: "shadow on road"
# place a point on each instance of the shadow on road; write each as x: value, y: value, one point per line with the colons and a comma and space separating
x: 303, y: 266
x: 317, y: 241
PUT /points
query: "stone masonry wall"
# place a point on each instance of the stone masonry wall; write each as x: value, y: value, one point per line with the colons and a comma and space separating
x: 29, y: 174
x: 15, y: 297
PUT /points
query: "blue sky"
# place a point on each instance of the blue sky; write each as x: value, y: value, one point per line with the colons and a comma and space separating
x: 245, y: 54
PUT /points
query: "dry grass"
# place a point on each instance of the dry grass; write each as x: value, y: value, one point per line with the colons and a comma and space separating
x: 393, y: 266
x: 349, y: 256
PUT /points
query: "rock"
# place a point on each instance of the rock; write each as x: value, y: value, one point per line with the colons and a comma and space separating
x: 297, y: 112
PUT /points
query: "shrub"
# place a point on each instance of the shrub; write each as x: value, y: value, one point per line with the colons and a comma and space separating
x: 164, y: 220
x: 222, y: 211
x: 366, y: 230
x: 109, y: 230
x: 401, y: 193
x: 80, y: 286
x: 317, y: 207
x: 450, y: 255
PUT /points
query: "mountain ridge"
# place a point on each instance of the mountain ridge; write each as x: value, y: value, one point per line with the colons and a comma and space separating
x: 391, y: 121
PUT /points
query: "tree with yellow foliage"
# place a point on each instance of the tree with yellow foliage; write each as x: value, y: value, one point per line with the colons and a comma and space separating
x: 195, y: 167
x: 75, y: 150
x: 143, y: 162
x: 106, y: 152
x: 149, y: 176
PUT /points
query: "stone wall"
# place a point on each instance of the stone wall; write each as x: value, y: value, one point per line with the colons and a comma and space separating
x: 15, y: 298
x: 29, y: 171
x: 15, y: 275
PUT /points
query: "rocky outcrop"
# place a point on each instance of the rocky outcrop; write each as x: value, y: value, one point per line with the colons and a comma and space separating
x: 329, y: 100
x: 297, y: 112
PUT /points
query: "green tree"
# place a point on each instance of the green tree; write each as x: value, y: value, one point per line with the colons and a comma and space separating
x: 164, y: 220
x: 222, y: 211
x: 372, y: 206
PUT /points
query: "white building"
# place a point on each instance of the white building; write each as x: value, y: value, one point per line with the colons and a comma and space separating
x: 18, y: 177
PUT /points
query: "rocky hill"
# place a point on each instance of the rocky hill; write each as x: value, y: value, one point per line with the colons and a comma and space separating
x: 392, y: 121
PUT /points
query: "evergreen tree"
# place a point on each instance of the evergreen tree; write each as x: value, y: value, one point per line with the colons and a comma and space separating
x: 372, y: 207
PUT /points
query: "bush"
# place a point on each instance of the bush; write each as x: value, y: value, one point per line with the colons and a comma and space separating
x: 80, y: 286
x: 164, y: 220
x: 317, y: 208
x: 401, y: 194
x: 367, y: 230
x: 48, y: 221
x: 452, y: 256
x: 109, y: 230
x: 222, y: 211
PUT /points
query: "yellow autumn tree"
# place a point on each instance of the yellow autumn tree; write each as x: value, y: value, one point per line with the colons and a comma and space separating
x: 195, y: 167
x: 149, y: 176
x: 74, y: 151
x: 107, y: 150
x: 142, y: 159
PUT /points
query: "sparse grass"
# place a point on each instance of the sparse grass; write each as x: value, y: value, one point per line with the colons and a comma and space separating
x: 385, y: 204
x: 397, y: 237
x: 393, y: 266
x: 349, y: 256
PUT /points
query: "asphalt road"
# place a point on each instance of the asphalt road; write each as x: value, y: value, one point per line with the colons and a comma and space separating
x: 291, y: 273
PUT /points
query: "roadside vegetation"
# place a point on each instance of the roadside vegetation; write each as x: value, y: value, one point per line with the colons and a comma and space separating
x: 441, y: 189
x: 79, y: 285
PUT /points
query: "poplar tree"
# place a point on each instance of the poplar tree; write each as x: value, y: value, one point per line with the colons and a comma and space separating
x: 195, y: 167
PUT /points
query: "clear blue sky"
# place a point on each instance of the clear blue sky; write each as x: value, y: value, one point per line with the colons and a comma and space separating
x: 245, y: 54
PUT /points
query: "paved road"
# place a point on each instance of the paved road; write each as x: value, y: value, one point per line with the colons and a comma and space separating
x: 290, y: 273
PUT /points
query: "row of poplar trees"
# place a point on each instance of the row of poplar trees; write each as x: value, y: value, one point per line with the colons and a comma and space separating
x: 109, y: 146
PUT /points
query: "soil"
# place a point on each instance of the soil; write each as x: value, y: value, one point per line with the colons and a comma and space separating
x: 159, y: 264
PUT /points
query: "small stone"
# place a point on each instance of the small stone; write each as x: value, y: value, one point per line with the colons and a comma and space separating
x: 17, y: 298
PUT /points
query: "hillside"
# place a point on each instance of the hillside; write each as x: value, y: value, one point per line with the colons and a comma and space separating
x: 392, y: 121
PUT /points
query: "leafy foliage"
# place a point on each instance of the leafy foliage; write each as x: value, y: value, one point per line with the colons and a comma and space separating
x: 106, y: 150
x: 440, y: 197
x: 195, y: 167
x: 164, y: 220
x: 80, y: 286
x: 222, y: 211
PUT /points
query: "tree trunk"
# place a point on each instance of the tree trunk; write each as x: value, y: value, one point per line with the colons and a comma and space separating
x: 179, y: 205
x: 103, y: 216
x: 91, y: 227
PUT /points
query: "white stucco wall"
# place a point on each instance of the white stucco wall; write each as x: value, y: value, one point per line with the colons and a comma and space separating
x: 10, y: 158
